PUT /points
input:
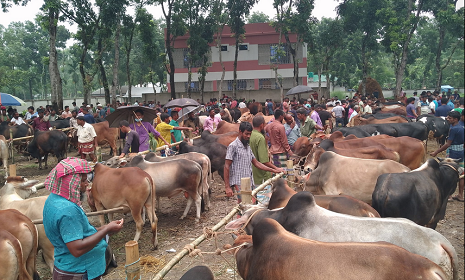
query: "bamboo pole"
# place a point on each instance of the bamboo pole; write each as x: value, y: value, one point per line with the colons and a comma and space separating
x: 216, y: 227
x: 246, y: 190
x: 12, y: 168
x: 12, y: 147
x: 121, y: 209
x: 30, y: 137
x: 290, y: 172
x: 132, y: 266
x: 165, y: 146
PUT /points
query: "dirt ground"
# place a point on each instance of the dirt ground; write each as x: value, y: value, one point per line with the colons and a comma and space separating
x: 175, y: 234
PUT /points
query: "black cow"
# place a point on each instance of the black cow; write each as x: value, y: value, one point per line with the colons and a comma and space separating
x: 381, y: 116
x: 235, y: 114
x: 216, y: 153
x: 60, y: 124
x: 420, y: 195
x: 414, y: 129
x: 198, y: 272
x: 45, y: 142
x: 437, y: 125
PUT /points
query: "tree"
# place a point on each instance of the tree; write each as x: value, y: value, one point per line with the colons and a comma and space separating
x: 257, y: 17
x: 220, y: 17
x: 238, y: 10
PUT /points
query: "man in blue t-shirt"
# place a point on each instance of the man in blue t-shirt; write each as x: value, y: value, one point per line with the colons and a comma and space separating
x: 443, y: 109
x: 454, y: 146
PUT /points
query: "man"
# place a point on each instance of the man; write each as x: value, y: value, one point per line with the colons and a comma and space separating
x: 75, y: 108
x: 315, y: 116
x: 450, y: 102
x: 270, y: 107
x: 432, y: 106
x: 443, y: 109
x: 292, y: 130
x: 279, y: 149
x: 456, y: 95
x: 242, y: 104
x: 454, y: 146
x: 417, y: 99
x: 355, y: 112
x: 260, y: 150
x: 192, y: 122
x: 308, y: 125
x: 411, y: 109
x: 53, y: 116
x: 87, y: 139
x: 132, y: 139
x: 325, y: 116
x: 16, y: 120
x: 227, y: 113
x: 239, y: 160
x: 79, y: 246
x: 109, y: 109
x: 143, y: 129
x: 66, y: 113
x: 30, y: 113
x: 286, y: 105
x: 424, y: 105
x: 90, y: 109
x: 367, y: 109
x: 164, y: 128
x: 225, y: 116
x: 211, y: 122
x: 73, y: 120
x: 176, y: 135
x: 88, y: 117
x: 339, y: 114
x: 39, y: 123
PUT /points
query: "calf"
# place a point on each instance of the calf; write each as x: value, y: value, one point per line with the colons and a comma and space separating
x: 4, y: 154
x: 419, y: 195
x: 305, y: 218
x: 355, y: 177
x: 13, y: 196
x: 130, y: 187
x: 276, y: 254
x: 45, y: 142
x: 337, y: 203
x: 24, y: 231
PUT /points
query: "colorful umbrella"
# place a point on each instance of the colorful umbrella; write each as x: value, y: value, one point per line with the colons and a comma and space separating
x: 10, y: 100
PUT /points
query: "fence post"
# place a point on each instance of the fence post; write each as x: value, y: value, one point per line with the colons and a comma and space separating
x: 12, y: 147
x: 246, y: 191
x: 99, y: 154
x: 12, y: 168
x: 290, y: 173
x: 132, y: 265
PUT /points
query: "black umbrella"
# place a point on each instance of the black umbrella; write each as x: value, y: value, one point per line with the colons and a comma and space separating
x: 127, y: 113
x: 186, y: 110
x: 181, y: 103
x: 299, y: 89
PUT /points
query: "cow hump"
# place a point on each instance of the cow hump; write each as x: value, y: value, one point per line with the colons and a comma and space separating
x: 300, y: 201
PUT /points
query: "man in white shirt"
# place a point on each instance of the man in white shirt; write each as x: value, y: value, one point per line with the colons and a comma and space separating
x: 242, y: 105
x: 431, y: 105
x: 87, y: 139
x: 355, y: 112
x: 339, y: 114
x: 17, y: 120
x: 367, y: 109
x: 30, y: 113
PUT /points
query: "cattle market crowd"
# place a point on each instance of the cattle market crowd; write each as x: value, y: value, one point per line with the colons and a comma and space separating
x: 380, y: 223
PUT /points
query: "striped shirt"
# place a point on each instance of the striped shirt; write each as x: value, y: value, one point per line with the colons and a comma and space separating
x: 241, y: 166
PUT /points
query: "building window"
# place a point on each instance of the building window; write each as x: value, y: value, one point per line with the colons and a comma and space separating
x: 194, y: 64
x: 243, y: 47
x: 195, y: 87
x: 241, y: 84
x: 279, y: 57
x: 224, y: 48
x: 267, y: 84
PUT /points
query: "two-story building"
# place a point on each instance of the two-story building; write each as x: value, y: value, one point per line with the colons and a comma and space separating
x: 255, y: 77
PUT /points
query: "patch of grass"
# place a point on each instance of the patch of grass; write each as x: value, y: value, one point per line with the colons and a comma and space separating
x: 31, y: 165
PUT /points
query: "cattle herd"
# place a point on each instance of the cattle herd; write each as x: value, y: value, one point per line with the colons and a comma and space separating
x: 367, y: 204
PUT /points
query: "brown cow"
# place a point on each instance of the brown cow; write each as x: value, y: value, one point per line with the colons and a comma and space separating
x: 355, y: 177
x: 248, y: 117
x: 223, y: 139
x: 273, y: 253
x: 225, y: 127
x: 377, y: 152
x: 105, y: 135
x: 359, y: 120
x: 337, y: 203
x: 22, y: 228
x: 12, y: 266
x: 130, y: 187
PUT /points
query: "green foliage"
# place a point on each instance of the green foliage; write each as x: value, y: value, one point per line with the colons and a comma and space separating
x: 258, y: 17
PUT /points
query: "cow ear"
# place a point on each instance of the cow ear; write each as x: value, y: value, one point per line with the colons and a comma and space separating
x: 236, y: 224
x: 440, y: 159
x: 123, y: 162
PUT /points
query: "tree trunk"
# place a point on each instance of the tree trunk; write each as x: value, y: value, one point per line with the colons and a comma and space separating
x: 128, y: 73
x: 30, y: 89
x: 293, y: 52
x: 189, y: 77
x: 220, y: 91
x: 169, y: 51
x: 236, y: 54
x: 55, y: 79
x: 115, y: 67
x: 442, y: 33
x: 328, y: 86
x: 86, y: 79
x: 319, y: 82
x: 364, y: 68
x: 102, y: 71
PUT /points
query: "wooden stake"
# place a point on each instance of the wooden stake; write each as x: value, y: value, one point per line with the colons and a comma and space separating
x: 290, y: 173
x: 12, y: 147
x: 246, y: 190
x: 99, y: 154
x: 12, y: 168
x: 132, y: 266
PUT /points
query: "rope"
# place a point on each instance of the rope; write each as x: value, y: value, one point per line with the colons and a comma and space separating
x: 128, y: 270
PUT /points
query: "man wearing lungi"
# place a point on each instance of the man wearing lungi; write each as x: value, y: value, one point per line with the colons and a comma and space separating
x: 87, y: 139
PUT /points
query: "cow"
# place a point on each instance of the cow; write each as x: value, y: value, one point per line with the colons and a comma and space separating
x: 273, y: 253
x: 17, y: 131
x: 359, y: 120
x: 13, y: 196
x: 255, y: 107
x: 355, y: 177
x: 235, y: 114
x: 413, y: 129
x: 24, y: 231
x: 105, y: 135
x: 302, y: 146
x: 382, y: 116
x: 438, y: 126
x: 4, y: 154
x: 12, y: 266
x: 248, y: 117
x: 198, y: 272
x: 45, y: 142
x: 223, y: 139
x: 215, y: 152
x: 129, y: 187
x: 175, y: 176
x: 60, y: 124
x: 305, y: 218
x: 419, y: 195
x: 337, y: 203
x: 225, y: 127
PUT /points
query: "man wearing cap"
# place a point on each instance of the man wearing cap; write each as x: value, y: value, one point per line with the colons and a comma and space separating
x: 79, y: 247
x: 39, y: 123
x: 132, y: 139
x: 87, y: 139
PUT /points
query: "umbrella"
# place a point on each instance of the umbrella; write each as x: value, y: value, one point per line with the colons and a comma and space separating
x: 181, y: 103
x: 10, y: 100
x: 299, y: 89
x: 446, y: 87
x: 186, y: 110
x: 127, y: 113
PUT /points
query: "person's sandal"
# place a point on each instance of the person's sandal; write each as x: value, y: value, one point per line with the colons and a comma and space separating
x: 456, y: 197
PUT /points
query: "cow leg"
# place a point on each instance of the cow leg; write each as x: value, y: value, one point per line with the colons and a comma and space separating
x: 150, y: 209
x: 138, y: 220
x: 40, y: 162
x: 46, y: 246
x: 188, y: 206
x: 198, y: 206
x: 46, y: 159
x: 99, y: 207
x: 205, y: 188
x: 9, y: 268
x: 158, y: 203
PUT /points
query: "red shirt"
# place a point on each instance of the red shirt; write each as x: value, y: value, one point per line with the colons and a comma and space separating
x: 39, y: 124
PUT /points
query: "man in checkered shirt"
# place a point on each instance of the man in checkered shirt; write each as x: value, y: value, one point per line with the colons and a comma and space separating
x: 239, y: 160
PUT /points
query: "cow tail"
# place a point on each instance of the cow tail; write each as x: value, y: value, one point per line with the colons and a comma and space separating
x: 453, y: 257
x: 152, y: 191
